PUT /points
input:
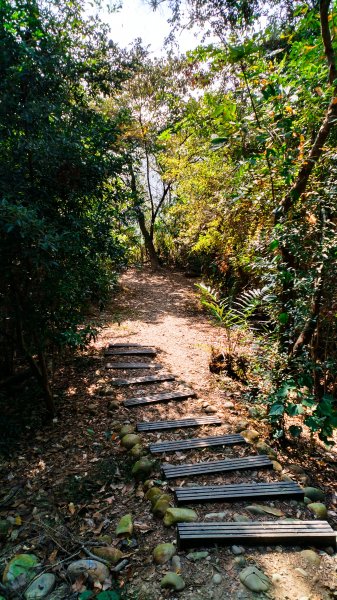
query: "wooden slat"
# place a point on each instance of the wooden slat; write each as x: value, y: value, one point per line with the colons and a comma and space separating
x: 256, y: 533
x: 139, y: 400
x: 189, y: 422
x: 242, y: 491
x: 126, y: 345
x: 139, y: 365
x: 138, y: 380
x: 131, y: 352
x: 220, y: 440
x: 216, y: 466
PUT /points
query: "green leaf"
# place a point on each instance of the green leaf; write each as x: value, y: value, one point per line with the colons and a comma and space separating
x: 86, y: 595
x: 276, y: 410
x: 283, y: 318
x: 295, y: 430
x: 111, y: 595
x: 294, y: 409
x: 273, y: 245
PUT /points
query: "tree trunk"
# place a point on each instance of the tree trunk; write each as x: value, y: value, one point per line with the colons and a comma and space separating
x: 148, y: 240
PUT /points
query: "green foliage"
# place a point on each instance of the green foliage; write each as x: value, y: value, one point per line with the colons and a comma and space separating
x: 61, y: 208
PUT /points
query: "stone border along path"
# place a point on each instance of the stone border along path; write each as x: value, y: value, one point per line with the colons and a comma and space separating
x: 202, y: 534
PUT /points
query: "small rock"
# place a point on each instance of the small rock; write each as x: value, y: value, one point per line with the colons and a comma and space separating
x: 195, y: 556
x: 276, y: 578
x: 126, y: 429
x: 173, y: 580
x: 40, y: 587
x: 109, y: 553
x: 137, y: 451
x: 319, y: 509
x: 142, y: 468
x: 315, y: 494
x: 301, y: 572
x: 311, y: 557
x: 241, y: 425
x: 259, y: 509
x: 263, y: 448
x: 296, y: 469
x: 237, y: 550
x: 179, y: 515
x: 329, y: 550
x: 210, y: 410
x: 228, y: 405
x: 176, y: 563
x: 253, y: 412
x: 250, y: 435
x: 163, y: 553
x: 277, y: 466
x: 285, y: 477
x: 130, y: 440
x: 113, y: 405
x: 125, y: 525
x: 216, y: 578
x: 241, y: 518
x: 93, y: 568
x: 217, y: 516
x: 239, y: 561
x: 161, y: 506
x: 254, y: 579
x: 153, y: 494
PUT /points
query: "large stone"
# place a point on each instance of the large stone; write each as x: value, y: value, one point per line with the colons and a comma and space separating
x: 263, y: 448
x: 142, y: 468
x: 91, y: 568
x: 40, y: 587
x: 125, y: 525
x: 161, y: 506
x: 251, y: 436
x: 110, y: 553
x: 319, y: 509
x: 311, y: 557
x: 130, y: 440
x: 19, y: 571
x: 179, y: 515
x: 163, y: 553
x: 254, y: 579
x: 315, y: 494
x: 173, y: 581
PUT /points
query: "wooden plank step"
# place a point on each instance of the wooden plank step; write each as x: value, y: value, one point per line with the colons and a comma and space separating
x: 118, y: 365
x: 220, y: 440
x: 318, y: 533
x: 126, y: 345
x: 217, y: 466
x: 137, y: 401
x: 146, y: 379
x: 131, y: 352
x: 175, y: 424
x: 242, y: 491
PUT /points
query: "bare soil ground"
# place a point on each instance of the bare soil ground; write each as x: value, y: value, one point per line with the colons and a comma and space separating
x: 72, y: 480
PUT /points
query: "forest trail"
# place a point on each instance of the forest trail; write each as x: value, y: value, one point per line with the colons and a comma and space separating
x: 73, y: 480
x: 161, y: 310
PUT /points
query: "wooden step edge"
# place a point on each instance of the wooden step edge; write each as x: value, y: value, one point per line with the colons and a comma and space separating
x: 194, y: 443
x: 321, y: 535
x: 161, y: 397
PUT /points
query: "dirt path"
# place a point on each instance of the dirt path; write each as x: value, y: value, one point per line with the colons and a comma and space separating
x: 74, y: 481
